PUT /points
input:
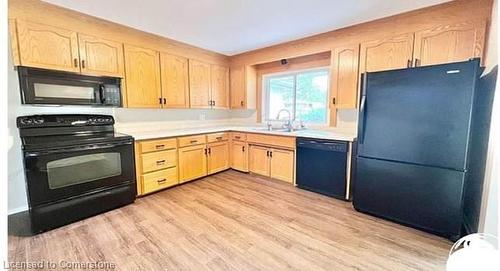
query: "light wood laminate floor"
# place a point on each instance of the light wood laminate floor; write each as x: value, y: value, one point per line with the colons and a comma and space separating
x: 236, y: 221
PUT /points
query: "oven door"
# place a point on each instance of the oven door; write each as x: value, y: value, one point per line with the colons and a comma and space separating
x: 57, y: 174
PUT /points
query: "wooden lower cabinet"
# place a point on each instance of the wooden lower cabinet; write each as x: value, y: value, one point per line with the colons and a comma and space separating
x: 259, y: 160
x: 192, y: 162
x: 239, y: 155
x: 282, y: 164
x: 218, y: 157
x: 157, y: 180
x: 272, y: 162
x: 156, y: 165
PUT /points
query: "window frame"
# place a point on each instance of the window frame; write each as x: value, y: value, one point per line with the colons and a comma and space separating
x: 266, y: 78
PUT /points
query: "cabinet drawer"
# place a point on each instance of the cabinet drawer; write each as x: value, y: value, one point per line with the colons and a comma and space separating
x: 192, y: 140
x: 216, y: 137
x: 272, y: 140
x: 159, y: 160
x: 158, y: 145
x: 158, y: 180
x: 238, y: 136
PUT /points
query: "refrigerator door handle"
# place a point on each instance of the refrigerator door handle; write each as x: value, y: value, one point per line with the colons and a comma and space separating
x: 362, y: 111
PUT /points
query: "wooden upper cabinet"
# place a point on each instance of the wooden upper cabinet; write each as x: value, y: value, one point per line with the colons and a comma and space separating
x: 47, y: 47
x: 199, y: 84
x: 174, y: 81
x: 100, y: 57
x: 142, y: 74
x: 344, y: 83
x: 386, y: 54
x: 219, y: 86
x: 237, y: 86
x: 450, y: 43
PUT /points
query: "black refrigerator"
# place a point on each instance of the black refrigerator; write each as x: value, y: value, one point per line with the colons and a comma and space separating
x: 417, y: 131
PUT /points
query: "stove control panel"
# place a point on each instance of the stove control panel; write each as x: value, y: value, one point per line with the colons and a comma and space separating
x: 36, y: 121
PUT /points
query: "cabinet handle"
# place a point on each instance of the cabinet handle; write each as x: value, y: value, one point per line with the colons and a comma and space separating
x: 193, y: 141
x: 334, y: 100
x: 243, y: 148
x: 242, y: 104
x: 408, y: 64
x: 213, y: 103
x: 160, y: 146
x: 160, y: 162
x: 83, y: 64
x: 75, y: 62
x: 209, y: 151
x: 267, y: 153
x: 237, y: 137
x: 206, y: 151
x: 271, y: 154
x: 159, y: 99
x: 161, y: 180
x: 219, y: 138
x: 417, y: 62
x: 210, y: 103
x: 164, y: 100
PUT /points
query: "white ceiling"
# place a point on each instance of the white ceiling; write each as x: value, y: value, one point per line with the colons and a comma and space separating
x: 235, y: 26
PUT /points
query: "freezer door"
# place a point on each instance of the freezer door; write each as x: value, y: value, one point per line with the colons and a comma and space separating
x: 424, y: 197
x: 419, y: 115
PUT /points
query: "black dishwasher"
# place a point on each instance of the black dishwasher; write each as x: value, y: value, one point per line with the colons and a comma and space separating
x: 323, y: 166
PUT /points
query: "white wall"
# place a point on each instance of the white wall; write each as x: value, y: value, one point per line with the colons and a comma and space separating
x: 489, y: 211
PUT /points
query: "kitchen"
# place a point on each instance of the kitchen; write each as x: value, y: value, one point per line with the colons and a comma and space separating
x: 214, y: 137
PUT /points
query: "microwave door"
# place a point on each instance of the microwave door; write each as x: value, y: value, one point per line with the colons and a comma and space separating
x: 61, y: 92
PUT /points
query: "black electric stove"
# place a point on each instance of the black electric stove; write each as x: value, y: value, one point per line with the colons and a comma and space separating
x: 75, y: 166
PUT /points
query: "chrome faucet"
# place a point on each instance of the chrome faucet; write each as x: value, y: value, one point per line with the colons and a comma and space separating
x: 288, y: 123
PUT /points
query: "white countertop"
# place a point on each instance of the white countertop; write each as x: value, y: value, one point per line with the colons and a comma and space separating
x: 331, y: 134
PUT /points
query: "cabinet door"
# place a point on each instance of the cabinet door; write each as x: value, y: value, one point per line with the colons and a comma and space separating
x: 282, y: 165
x: 218, y: 157
x: 174, y: 81
x: 239, y: 155
x: 386, y: 54
x: 220, y: 86
x: 142, y: 70
x: 192, y: 163
x: 344, y: 69
x: 238, y: 87
x: 259, y: 160
x: 449, y: 43
x: 199, y: 84
x: 47, y: 47
x: 100, y: 57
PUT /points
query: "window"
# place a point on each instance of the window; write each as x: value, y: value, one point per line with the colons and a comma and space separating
x: 303, y: 93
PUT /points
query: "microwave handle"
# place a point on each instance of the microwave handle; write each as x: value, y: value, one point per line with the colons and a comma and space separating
x: 102, y: 89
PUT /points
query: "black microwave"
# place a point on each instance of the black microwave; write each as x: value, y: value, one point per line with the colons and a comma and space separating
x: 40, y: 86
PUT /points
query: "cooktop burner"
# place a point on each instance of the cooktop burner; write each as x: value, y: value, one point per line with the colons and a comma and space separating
x: 52, y: 131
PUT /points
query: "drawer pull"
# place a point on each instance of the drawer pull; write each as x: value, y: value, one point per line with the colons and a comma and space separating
x: 193, y: 141
x: 161, y: 180
x: 160, y: 146
x: 237, y: 137
x: 219, y: 138
x: 160, y: 162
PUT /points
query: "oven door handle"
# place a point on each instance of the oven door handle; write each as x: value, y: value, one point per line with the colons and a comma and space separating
x: 98, y: 146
